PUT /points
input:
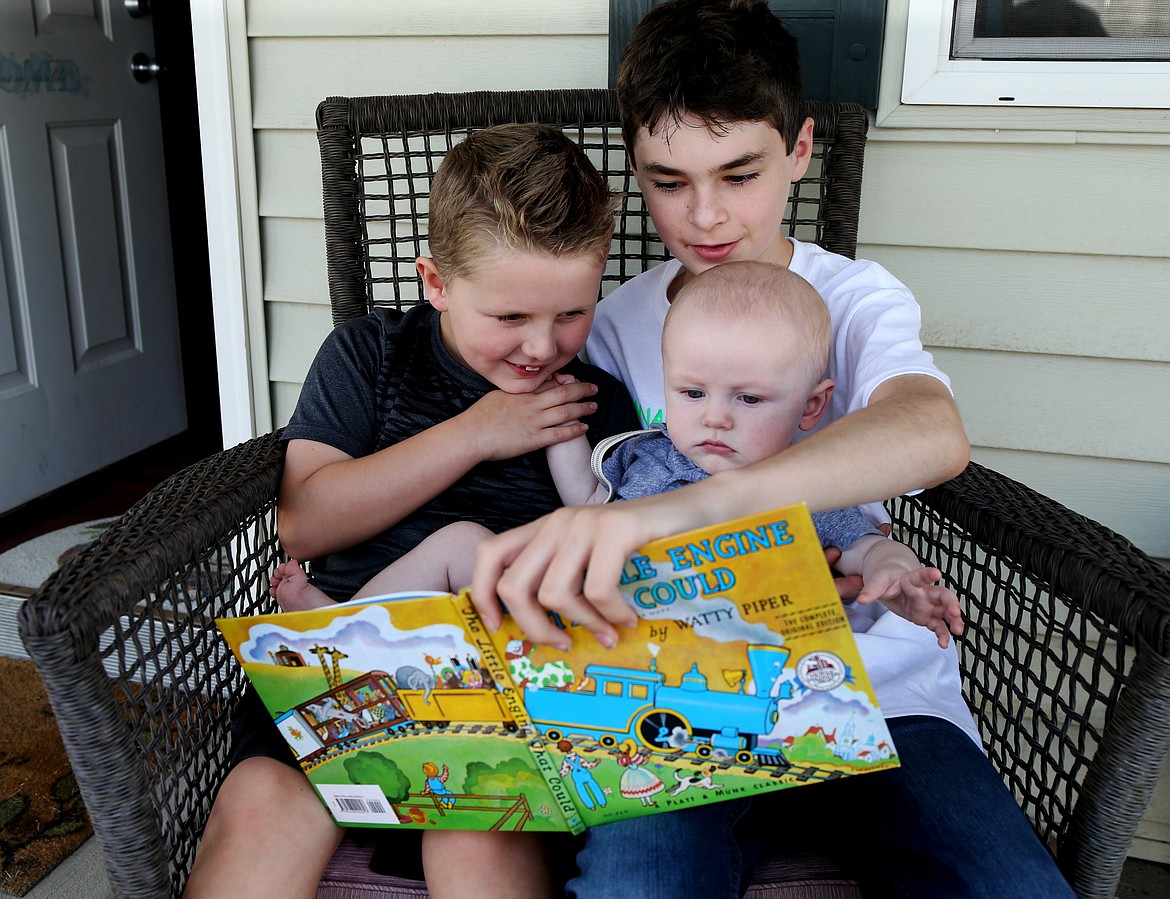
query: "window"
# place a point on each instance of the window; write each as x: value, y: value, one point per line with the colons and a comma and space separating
x: 1091, y: 53
x: 840, y: 43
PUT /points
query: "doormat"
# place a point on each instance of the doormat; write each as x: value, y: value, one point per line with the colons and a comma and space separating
x: 24, y: 568
x: 42, y: 818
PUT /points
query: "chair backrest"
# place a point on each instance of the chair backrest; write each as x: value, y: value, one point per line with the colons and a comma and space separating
x: 379, y: 154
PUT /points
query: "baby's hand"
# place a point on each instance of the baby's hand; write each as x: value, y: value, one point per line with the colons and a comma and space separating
x: 917, y: 596
x: 560, y: 379
x: 847, y: 587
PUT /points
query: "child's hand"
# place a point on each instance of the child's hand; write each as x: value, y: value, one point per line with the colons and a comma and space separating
x: 570, y: 562
x: 505, y: 425
x: 917, y: 596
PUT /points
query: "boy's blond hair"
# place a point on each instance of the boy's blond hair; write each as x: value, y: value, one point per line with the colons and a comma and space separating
x: 523, y: 188
x: 764, y: 294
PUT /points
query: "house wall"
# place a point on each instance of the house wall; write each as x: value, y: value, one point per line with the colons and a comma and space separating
x: 1040, y: 254
x: 301, y: 52
x: 1038, y: 244
x: 1037, y: 241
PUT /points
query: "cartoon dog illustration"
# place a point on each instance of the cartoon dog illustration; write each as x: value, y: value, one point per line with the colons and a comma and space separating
x: 700, y: 780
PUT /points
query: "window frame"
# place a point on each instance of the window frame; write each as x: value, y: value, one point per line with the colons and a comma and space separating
x: 843, y: 36
x: 931, y: 77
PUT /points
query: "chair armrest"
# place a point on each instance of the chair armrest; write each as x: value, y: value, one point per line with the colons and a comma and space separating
x: 141, y: 686
x: 1066, y: 659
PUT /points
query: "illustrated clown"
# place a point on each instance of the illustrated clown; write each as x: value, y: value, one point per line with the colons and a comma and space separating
x: 583, y: 780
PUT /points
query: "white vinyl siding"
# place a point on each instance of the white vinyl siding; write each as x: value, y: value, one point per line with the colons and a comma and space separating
x: 1042, y: 263
x: 302, y: 52
x: 1038, y: 244
x: 1037, y: 241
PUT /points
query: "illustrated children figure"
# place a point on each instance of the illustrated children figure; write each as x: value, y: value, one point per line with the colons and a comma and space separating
x: 436, y: 784
x: 412, y: 422
x: 637, y: 781
x: 710, y: 98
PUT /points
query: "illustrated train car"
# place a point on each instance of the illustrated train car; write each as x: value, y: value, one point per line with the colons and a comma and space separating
x: 370, y: 706
x: 478, y: 704
x: 628, y: 702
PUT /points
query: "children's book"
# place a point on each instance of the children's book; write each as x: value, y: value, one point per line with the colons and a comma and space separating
x: 741, y: 676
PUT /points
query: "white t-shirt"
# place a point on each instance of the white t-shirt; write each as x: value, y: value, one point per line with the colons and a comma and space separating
x: 875, y: 330
x: 875, y: 337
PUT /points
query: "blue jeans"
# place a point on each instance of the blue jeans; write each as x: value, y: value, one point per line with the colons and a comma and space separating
x: 942, y: 824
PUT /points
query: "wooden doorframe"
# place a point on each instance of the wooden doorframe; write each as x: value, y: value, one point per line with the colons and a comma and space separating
x: 219, y: 37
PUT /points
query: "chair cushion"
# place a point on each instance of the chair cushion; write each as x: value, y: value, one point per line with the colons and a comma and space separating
x: 778, y: 877
x: 349, y: 876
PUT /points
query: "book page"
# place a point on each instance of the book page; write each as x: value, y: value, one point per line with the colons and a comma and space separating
x: 742, y: 676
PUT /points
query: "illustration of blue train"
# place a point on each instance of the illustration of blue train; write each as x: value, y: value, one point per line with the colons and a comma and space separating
x: 687, y: 717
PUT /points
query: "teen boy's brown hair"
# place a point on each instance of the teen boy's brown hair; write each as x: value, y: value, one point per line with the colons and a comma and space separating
x: 722, y: 61
x: 524, y: 187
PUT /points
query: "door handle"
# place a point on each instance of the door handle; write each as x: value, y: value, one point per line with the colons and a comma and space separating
x: 143, y: 68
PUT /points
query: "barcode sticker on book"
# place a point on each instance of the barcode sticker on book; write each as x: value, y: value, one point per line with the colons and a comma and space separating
x: 357, y: 804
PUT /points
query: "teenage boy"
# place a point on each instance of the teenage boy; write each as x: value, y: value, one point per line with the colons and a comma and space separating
x: 410, y: 422
x: 710, y: 97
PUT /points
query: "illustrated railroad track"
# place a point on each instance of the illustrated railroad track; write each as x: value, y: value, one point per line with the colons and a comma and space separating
x: 794, y: 773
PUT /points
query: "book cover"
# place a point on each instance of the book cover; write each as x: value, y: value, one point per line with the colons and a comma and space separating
x: 741, y: 676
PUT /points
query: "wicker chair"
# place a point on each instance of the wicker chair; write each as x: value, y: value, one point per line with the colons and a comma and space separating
x: 1066, y: 657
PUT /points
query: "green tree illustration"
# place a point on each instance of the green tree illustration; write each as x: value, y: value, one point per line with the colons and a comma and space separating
x: 376, y: 769
x: 506, y: 778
